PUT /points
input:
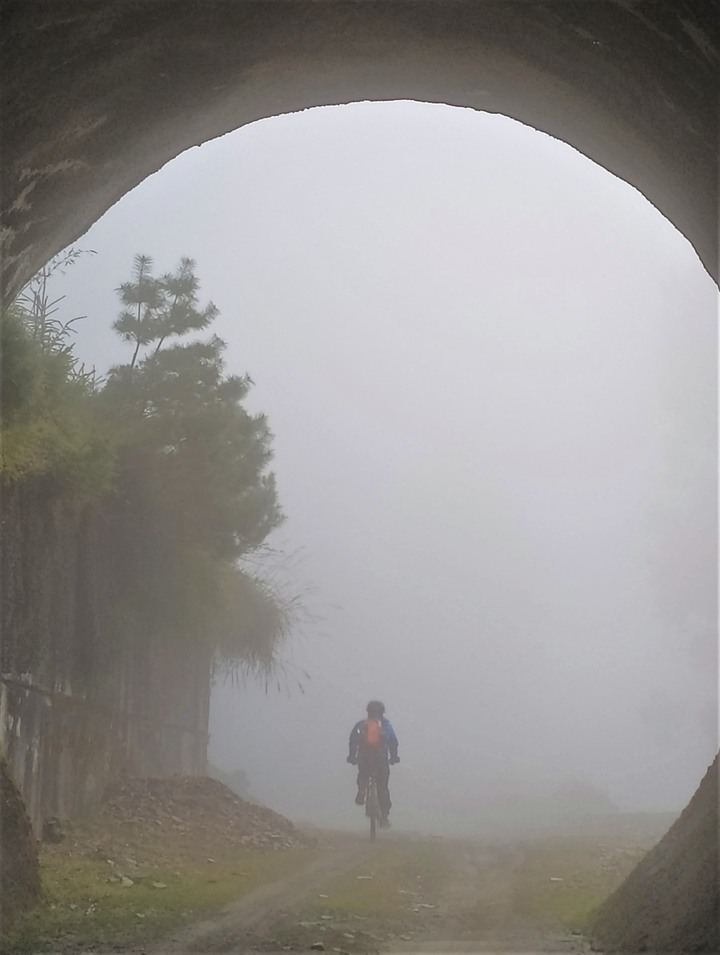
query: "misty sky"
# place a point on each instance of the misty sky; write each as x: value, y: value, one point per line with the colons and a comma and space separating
x: 490, y: 369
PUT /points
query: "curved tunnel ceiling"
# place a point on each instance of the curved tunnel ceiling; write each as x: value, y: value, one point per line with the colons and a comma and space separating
x: 99, y: 94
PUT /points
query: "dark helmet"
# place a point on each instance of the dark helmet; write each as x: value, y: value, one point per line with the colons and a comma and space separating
x: 376, y: 709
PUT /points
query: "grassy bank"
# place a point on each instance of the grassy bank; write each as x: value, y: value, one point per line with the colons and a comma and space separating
x: 90, y: 902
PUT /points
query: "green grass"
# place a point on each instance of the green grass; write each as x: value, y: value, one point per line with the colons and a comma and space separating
x: 80, y: 907
x: 589, y: 873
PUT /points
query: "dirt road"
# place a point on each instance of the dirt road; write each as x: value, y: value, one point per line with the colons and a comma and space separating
x: 183, y: 865
x: 400, y: 894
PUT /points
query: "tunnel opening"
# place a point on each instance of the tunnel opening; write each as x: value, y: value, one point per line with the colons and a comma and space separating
x: 356, y: 217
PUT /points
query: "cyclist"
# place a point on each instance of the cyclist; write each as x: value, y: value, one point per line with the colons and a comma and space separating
x: 374, y: 747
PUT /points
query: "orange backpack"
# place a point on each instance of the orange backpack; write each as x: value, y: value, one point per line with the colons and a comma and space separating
x: 371, y: 734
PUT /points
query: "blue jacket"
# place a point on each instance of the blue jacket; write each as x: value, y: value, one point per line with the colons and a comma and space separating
x: 388, y: 739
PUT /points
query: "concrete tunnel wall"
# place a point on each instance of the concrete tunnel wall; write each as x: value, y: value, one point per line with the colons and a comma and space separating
x: 99, y: 94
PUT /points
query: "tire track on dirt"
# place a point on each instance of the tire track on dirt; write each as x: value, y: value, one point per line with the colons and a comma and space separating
x: 475, y: 911
x: 230, y: 929
x: 475, y: 900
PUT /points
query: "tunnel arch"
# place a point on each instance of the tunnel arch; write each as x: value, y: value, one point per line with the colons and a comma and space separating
x: 97, y: 97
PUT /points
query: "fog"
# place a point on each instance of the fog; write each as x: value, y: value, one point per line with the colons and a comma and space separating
x: 491, y: 372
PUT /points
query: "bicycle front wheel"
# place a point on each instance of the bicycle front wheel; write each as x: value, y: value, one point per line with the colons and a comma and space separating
x: 372, y: 808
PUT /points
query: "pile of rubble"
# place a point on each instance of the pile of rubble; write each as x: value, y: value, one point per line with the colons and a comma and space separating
x: 197, y: 807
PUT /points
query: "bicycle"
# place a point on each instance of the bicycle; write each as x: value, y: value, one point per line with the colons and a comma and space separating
x: 372, y: 805
x: 369, y: 796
